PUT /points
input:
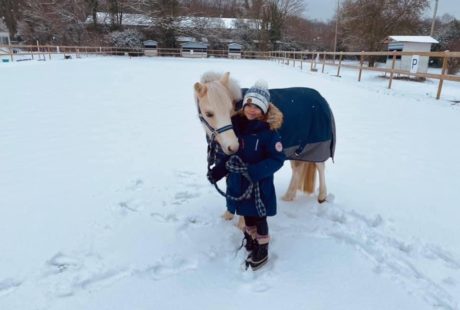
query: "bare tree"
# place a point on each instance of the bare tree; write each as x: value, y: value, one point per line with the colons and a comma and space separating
x: 10, y: 12
x: 58, y: 22
x: 93, y: 6
x: 449, y: 39
x: 166, y: 17
x: 275, y: 15
x: 366, y: 23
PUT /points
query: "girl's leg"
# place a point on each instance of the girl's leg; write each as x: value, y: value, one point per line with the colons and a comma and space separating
x: 262, y: 230
x: 259, y: 255
x: 250, y: 232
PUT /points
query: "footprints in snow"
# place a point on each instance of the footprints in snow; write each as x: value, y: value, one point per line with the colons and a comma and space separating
x: 7, y: 286
x: 189, y: 186
x: 66, y: 275
x: 399, y: 259
x: 60, y: 263
x: 169, y: 266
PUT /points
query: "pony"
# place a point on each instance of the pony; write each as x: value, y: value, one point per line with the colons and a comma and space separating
x: 307, y: 131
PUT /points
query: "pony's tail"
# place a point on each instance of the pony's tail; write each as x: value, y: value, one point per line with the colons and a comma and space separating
x: 308, y: 177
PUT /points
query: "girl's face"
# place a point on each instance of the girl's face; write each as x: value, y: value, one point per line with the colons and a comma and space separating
x: 252, y: 112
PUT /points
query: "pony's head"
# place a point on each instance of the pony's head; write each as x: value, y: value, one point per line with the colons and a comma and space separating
x: 216, y: 95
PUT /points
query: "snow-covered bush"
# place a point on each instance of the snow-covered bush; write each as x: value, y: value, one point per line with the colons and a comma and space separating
x: 127, y: 38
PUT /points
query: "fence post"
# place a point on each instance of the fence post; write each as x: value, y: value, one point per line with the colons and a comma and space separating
x: 293, y: 61
x: 392, y: 70
x: 361, y: 66
x: 301, y: 61
x: 443, y: 74
x: 340, y: 63
x: 311, y: 65
x: 324, y: 62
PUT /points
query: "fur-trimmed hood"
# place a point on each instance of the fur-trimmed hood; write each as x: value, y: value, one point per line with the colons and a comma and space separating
x: 274, y: 117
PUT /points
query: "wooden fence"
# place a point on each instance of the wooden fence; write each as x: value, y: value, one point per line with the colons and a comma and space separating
x: 361, y: 63
x: 47, y: 51
x: 360, y: 60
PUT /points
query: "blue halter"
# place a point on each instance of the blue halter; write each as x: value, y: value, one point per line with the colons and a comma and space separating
x: 213, y: 131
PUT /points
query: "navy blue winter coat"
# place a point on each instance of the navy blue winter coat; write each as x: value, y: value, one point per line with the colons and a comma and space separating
x: 261, y: 149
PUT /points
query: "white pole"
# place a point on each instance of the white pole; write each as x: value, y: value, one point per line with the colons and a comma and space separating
x: 434, y: 17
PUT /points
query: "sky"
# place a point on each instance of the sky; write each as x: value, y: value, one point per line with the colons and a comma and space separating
x: 325, y: 9
x: 104, y: 203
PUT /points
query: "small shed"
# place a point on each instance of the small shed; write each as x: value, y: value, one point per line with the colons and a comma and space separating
x: 194, y: 49
x: 4, y: 38
x: 410, y: 44
x: 150, y: 48
x: 234, y: 50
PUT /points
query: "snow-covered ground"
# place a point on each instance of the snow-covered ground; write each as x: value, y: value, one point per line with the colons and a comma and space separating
x: 104, y: 203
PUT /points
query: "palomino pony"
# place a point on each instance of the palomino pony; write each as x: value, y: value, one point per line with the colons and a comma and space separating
x: 308, y: 130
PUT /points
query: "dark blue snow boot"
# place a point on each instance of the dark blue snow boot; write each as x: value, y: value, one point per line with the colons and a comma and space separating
x: 258, y: 257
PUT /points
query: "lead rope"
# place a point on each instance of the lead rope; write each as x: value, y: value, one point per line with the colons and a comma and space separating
x: 236, y: 165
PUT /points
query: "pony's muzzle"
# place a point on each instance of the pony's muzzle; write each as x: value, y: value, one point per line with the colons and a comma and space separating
x: 231, y: 148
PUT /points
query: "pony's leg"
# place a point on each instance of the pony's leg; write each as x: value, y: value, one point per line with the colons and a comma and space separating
x: 241, y: 223
x: 322, y: 182
x: 295, y: 180
x: 228, y: 216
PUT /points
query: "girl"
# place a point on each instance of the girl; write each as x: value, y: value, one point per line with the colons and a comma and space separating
x: 261, y: 154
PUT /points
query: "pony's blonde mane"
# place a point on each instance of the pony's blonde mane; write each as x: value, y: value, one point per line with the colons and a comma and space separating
x: 233, y: 87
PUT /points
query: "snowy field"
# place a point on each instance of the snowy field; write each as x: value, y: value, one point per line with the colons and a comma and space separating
x: 104, y: 203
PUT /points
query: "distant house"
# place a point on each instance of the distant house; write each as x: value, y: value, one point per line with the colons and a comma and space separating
x: 409, y: 44
x: 194, y: 49
x: 234, y: 50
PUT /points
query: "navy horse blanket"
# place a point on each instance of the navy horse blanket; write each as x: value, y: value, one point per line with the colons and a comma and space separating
x: 308, y: 130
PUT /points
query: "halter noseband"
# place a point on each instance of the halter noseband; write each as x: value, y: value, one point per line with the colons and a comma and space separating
x: 213, y: 131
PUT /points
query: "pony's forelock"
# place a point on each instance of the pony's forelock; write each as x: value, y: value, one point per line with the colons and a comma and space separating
x: 216, y: 93
x: 233, y: 87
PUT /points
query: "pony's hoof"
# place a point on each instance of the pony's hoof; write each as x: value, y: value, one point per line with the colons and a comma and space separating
x: 322, y: 200
x: 228, y: 216
x: 288, y: 197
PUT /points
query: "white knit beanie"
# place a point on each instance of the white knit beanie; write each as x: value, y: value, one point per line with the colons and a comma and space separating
x: 259, y: 95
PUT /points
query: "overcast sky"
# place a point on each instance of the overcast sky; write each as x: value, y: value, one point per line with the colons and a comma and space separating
x: 325, y: 9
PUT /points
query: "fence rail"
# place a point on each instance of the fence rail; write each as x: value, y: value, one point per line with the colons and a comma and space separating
x: 314, y: 59
x: 49, y: 50
x: 336, y: 59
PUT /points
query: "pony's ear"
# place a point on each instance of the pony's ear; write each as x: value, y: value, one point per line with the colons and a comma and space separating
x: 224, y: 79
x: 200, y: 89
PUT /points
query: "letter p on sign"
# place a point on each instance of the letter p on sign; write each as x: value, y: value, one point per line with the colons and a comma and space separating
x: 414, y: 63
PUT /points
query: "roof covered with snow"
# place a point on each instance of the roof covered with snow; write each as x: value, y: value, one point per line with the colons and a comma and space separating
x: 417, y: 39
x: 194, y: 45
x: 235, y: 45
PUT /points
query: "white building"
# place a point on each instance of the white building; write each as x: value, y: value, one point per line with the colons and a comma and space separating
x: 234, y: 50
x: 409, y: 44
x: 151, y: 48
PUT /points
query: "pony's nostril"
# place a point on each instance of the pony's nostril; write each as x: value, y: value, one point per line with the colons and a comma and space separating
x: 230, y: 149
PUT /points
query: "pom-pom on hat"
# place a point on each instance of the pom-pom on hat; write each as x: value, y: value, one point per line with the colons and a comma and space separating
x: 258, y: 95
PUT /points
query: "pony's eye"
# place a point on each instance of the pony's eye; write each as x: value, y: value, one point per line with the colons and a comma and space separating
x: 209, y: 114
